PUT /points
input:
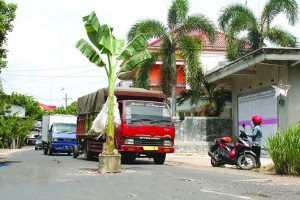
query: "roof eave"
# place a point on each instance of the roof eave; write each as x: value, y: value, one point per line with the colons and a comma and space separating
x: 255, y: 57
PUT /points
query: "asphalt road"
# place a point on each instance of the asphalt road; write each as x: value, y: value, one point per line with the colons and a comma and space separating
x: 31, y: 175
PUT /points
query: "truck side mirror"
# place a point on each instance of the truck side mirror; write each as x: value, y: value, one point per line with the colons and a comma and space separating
x: 50, y: 129
x: 243, y: 125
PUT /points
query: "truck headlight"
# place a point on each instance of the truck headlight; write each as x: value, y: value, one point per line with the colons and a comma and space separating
x: 167, y: 143
x: 129, y: 141
x: 55, y: 140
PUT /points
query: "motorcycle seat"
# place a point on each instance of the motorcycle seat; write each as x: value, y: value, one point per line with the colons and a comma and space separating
x: 230, y: 145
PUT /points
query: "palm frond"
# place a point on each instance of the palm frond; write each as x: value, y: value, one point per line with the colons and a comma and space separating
x: 168, y: 71
x: 193, y: 95
x: 143, y: 70
x: 190, y: 49
x: 274, y: 7
x: 281, y: 37
x: 177, y: 13
x: 150, y: 28
x: 236, y: 15
x: 208, y: 109
x: 254, y: 40
x: 235, y: 48
x: 198, y: 23
x: 217, y: 97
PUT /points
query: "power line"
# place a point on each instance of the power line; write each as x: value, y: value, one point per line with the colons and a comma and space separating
x: 49, y: 69
x: 14, y: 88
x: 56, y: 76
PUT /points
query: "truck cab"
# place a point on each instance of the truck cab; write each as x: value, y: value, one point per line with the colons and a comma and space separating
x: 146, y: 130
x: 58, y: 134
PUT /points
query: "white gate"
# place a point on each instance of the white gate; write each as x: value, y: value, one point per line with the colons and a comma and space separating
x: 263, y: 104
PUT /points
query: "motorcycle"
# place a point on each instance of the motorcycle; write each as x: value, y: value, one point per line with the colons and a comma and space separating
x: 239, y: 153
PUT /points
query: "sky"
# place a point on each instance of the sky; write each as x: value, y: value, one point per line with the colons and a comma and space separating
x: 42, y: 60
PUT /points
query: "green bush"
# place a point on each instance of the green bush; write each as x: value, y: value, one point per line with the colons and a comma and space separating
x: 284, y: 149
x: 13, y: 131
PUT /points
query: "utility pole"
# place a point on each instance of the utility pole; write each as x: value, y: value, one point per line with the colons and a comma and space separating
x: 66, y: 100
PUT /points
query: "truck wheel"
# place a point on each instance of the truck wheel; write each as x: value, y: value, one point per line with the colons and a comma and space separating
x: 87, y: 155
x: 49, y: 152
x: 75, y: 151
x: 127, y: 158
x: 159, y: 159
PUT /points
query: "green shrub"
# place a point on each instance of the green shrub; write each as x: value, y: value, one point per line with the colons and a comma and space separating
x: 13, y: 131
x: 284, y: 149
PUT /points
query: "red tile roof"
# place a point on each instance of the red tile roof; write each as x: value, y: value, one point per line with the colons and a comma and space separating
x: 218, y: 45
x: 46, y: 107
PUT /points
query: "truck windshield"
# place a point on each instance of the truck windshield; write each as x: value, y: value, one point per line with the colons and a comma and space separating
x: 64, y: 128
x: 147, y: 113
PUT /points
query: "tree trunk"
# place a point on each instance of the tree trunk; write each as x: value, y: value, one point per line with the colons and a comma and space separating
x: 13, y: 144
x: 110, y: 120
x: 174, y: 85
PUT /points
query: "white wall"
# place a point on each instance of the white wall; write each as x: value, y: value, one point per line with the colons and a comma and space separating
x: 210, y: 60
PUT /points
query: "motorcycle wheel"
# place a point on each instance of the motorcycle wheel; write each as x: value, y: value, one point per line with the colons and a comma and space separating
x: 246, y: 161
x: 214, y: 163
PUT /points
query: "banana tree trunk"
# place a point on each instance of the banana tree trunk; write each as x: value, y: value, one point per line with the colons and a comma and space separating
x: 110, y: 124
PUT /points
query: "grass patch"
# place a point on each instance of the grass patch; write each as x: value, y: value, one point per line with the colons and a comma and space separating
x: 284, y: 149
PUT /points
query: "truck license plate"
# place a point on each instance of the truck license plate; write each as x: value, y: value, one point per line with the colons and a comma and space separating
x: 150, y: 148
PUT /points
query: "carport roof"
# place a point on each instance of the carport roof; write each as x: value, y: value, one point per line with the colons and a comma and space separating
x: 263, y: 56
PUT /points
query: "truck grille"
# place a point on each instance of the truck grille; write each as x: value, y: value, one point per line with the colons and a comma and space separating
x: 148, y: 142
x: 66, y: 140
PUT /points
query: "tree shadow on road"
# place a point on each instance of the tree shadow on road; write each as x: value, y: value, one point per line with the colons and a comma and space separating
x: 8, y: 162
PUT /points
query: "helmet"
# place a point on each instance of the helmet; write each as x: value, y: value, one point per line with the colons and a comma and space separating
x: 257, y: 120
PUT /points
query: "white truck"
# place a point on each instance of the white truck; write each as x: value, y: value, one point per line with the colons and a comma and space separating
x: 58, y: 133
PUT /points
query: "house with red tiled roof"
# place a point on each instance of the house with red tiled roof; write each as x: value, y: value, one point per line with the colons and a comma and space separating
x: 212, y: 54
x: 46, y: 107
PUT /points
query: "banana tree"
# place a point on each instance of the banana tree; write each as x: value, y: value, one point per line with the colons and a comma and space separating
x: 114, y: 56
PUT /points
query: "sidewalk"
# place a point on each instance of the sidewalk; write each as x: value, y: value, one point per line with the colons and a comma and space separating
x: 200, y: 160
x: 4, y: 153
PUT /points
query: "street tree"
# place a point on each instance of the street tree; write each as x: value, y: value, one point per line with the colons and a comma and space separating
x: 69, y: 110
x: 115, y: 57
x: 15, y: 129
x: 33, y: 110
x: 7, y: 15
x: 175, y: 36
x: 244, y: 32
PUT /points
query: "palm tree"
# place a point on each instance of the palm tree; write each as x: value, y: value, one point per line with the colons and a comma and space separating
x: 237, y: 19
x: 215, y: 95
x: 174, y: 37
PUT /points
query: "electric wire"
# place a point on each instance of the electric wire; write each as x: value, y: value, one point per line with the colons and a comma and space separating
x: 14, y: 88
x: 49, y: 69
x: 56, y: 76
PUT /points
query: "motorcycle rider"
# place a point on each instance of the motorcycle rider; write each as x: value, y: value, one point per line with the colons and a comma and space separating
x: 256, y: 136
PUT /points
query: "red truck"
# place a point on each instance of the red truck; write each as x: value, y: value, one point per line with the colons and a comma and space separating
x: 146, y: 128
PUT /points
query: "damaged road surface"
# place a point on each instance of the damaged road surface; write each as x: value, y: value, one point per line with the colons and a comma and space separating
x: 32, y: 175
